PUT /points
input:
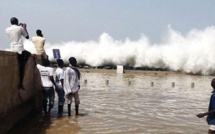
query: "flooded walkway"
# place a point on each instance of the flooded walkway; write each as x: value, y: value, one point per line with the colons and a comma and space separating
x: 131, y: 104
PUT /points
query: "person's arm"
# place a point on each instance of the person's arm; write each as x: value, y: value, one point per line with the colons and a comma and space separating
x: 25, y: 28
x: 51, y: 76
x: 62, y: 82
x: 200, y: 115
x: 62, y: 77
x: 52, y: 80
x: 211, y: 106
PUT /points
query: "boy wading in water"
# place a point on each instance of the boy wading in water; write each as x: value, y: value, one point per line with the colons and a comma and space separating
x: 211, y: 111
x: 72, y: 85
x: 59, y: 77
x: 46, y: 74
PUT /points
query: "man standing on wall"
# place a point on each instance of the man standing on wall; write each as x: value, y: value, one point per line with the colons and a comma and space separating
x: 15, y: 33
x: 39, y: 43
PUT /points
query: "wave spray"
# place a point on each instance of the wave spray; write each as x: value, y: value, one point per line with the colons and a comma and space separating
x: 191, y: 53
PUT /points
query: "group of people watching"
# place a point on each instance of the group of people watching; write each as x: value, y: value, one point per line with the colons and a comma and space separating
x: 65, y: 83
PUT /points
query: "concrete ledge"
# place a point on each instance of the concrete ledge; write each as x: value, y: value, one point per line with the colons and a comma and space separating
x: 7, y: 53
x: 16, y: 104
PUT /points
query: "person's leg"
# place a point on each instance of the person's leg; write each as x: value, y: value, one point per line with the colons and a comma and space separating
x: 26, y: 56
x: 61, y: 100
x: 22, y: 59
x: 69, y: 102
x: 20, y: 70
x: 58, y: 94
x: 76, y: 109
x: 77, y: 102
x: 51, y: 98
x: 44, y: 56
x: 38, y: 59
x: 45, y: 97
x: 69, y: 109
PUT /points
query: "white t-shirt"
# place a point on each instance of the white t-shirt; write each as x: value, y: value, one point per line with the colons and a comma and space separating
x: 59, y: 75
x: 71, y: 81
x: 15, y: 33
x: 39, y: 43
x: 45, y: 73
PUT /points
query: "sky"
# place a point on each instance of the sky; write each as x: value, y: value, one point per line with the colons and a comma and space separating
x: 86, y: 20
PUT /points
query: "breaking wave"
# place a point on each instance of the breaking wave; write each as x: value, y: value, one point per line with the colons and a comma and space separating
x: 190, y: 53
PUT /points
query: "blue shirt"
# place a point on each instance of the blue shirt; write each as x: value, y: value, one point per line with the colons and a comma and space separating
x: 211, y: 118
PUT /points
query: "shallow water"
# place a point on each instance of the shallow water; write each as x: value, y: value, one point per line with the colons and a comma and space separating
x: 132, y: 103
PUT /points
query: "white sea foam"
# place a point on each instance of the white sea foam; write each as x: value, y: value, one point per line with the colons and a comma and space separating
x: 191, y: 53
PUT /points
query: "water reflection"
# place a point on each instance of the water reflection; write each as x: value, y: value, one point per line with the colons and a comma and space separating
x: 128, y: 103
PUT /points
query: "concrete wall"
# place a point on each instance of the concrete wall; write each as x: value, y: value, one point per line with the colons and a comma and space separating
x: 16, y: 104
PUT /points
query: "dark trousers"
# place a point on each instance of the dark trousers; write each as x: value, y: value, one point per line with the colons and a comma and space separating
x: 48, y: 97
x: 22, y: 60
x: 61, y: 94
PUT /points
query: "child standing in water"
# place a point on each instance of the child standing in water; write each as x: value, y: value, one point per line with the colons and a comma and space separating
x: 59, y: 77
x: 46, y: 74
x: 211, y: 111
x: 72, y: 85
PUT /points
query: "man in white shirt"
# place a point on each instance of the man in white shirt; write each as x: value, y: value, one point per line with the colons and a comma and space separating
x: 46, y: 74
x: 39, y: 43
x: 15, y: 33
x: 72, y: 85
x: 59, y: 79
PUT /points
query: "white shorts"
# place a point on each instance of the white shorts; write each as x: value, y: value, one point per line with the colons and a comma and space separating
x: 212, y: 127
x: 75, y: 96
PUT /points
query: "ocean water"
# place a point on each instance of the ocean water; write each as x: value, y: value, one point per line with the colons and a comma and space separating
x: 133, y: 103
